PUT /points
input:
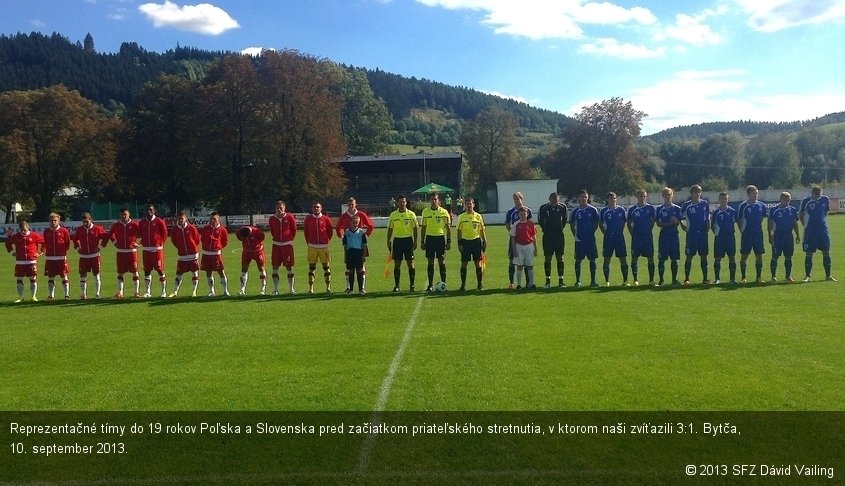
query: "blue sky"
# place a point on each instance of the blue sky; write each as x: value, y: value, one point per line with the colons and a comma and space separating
x: 680, y: 62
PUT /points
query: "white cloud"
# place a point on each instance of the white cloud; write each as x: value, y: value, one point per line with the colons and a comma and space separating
x: 203, y: 18
x: 547, y: 19
x: 38, y: 23
x: 519, y: 99
x: 775, y: 15
x: 255, y: 51
x: 613, y: 48
x: 690, y: 97
x: 692, y: 29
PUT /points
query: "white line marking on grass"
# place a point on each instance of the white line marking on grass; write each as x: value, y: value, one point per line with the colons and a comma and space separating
x: 384, y: 394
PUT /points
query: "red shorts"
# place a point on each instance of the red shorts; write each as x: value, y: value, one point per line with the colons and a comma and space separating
x: 154, y: 260
x: 89, y: 265
x: 127, y: 262
x: 248, y: 256
x: 283, y: 255
x: 26, y: 270
x: 53, y: 268
x: 212, y: 263
x: 187, y: 266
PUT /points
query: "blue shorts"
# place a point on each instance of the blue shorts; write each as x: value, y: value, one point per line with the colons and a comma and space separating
x: 642, y: 245
x: 696, y: 244
x: 724, y: 246
x: 586, y: 249
x: 816, y: 240
x: 668, y: 246
x: 752, y: 242
x: 783, y: 245
x: 614, y: 244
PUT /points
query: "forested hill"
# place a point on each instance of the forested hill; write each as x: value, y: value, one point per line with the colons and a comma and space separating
x: 31, y: 61
x: 403, y: 94
x: 745, y: 128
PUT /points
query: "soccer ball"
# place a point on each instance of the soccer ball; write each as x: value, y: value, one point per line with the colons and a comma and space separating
x: 440, y: 287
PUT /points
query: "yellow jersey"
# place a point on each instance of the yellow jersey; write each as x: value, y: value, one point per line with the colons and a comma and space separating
x: 403, y: 223
x: 470, y: 226
x: 435, y: 221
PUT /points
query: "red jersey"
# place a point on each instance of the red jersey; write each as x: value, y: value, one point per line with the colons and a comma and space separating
x: 254, y: 242
x: 56, y: 242
x: 214, y: 239
x: 283, y: 229
x: 124, y: 235
x: 345, y: 222
x: 88, y: 240
x: 186, y: 240
x: 153, y: 233
x: 318, y: 230
x: 26, y: 246
x: 524, y: 232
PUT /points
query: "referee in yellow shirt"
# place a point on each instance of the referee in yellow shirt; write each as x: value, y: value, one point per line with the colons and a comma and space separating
x: 402, y: 230
x: 472, y: 241
x: 435, y: 238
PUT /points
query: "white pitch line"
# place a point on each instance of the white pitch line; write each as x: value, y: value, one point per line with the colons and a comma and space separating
x: 384, y: 394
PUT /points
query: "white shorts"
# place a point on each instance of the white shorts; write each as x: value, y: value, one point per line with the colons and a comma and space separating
x: 524, y: 255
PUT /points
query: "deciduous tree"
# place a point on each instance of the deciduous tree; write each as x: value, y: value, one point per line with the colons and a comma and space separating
x: 599, y: 151
x: 55, y: 139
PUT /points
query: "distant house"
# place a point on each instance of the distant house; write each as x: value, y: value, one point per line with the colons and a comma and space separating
x: 374, y: 180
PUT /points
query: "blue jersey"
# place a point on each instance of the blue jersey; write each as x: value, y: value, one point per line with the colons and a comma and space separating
x: 641, y: 219
x: 696, y: 215
x: 512, y: 215
x: 815, y: 213
x: 354, y: 240
x: 584, y: 221
x: 665, y: 215
x: 783, y: 220
x: 612, y: 220
x: 750, y: 217
x: 724, y: 221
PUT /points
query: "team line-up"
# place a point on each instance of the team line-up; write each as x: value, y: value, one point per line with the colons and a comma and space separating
x: 202, y: 249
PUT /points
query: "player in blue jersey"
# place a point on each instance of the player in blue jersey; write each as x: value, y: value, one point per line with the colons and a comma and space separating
x: 641, y: 218
x: 583, y: 223
x: 723, y: 223
x: 750, y: 216
x: 783, y: 222
x: 552, y: 219
x: 612, y: 218
x: 695, y: 220
x: 813, y: 215
x: 511, y: 217
x: 668, y: 244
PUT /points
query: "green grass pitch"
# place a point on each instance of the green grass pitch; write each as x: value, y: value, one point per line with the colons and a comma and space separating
x: 752, y: 347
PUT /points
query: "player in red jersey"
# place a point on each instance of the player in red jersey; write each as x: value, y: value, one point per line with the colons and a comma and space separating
x: 26, y: 246
x: 152, y: 231
x: 56, y: 244
x: 318, y: 233
x: 88, y: 239
x: 283, y: 231
x: 186, y: 239
x: 252, y: 239
x: 214, y: 238
x: 524, y: 248
x: 124, y: 235
x: 345, y: 223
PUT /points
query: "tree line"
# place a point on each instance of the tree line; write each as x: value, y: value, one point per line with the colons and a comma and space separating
x: 602, y: 151
x: 250, y: 128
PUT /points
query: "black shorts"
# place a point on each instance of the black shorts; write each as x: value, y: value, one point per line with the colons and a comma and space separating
x: 403, y: 249
x: 552, y: 244
x: 354, y: 258
x: 435, y: 246
x: 470, y: 250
